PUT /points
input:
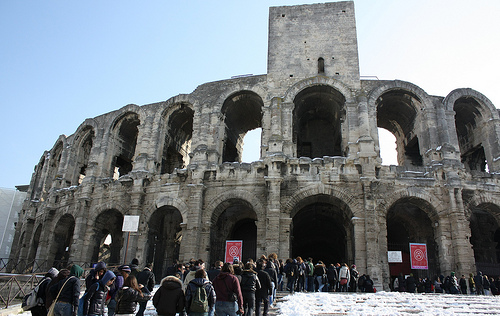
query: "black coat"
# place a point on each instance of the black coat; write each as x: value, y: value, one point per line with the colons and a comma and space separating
x: 265, y: 284
x: 147, y: 278
x: 95, y: 299
x: 70, y: 293
x: 193, y: 286
x: 127, y: 298
x: 249, y: 281
x: 169, y: 298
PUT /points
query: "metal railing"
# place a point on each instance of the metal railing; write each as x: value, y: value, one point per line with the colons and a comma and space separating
x: 14, y: 287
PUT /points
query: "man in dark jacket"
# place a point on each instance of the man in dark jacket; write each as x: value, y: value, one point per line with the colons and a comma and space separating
x: 147, y: 278
x: 41, y: 310
x: 266, y: 287
x: 69, y: 293
x: 169, y: 298
x: 134, y: 267
x: 212, y: 273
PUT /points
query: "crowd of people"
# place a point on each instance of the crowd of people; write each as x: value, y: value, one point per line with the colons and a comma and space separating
x: 235, y: 288
x: 473, y: 284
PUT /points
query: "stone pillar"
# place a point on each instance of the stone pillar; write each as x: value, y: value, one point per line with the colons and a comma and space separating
x: 284, y: 237
x: 272, y: 219
x: 193, y: 245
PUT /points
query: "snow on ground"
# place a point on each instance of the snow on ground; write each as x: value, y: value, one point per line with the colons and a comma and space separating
x: 387, y: 303
x: 380, y: 303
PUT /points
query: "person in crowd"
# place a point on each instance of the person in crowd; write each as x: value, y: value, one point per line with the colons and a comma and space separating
x: 249, y: 284
x: 332, y: 275
x: 472, y: 284
x: 41, y: 310
x: 478, y: 280
x: 354, y: 279
x: 438, y: 284
x: 486, y: 285
x: 173, y: 269
x: 319, y: 275
x: 463, y: 285
x: 95, y: 297
x: 200, y: 281
x: 271, y: 269
x: 63, y: 274
x: 427, y: 285
x: 281, y: 273
x: 134, y: 267
x: 361, y: 282
x: 395, y: 284
x: 453, y: 287
x: 344, y: 276
x: 198, y: 265
x: 129, y: 295
x: 212, y: 273
x: 497, y: 285
x: 301, y: 278
x: 66, y: 293
x: 95, y: 274
x: 169, y: 299
x: 122, y: 274
x: 290, y: 270
x: 401, y: 283
x: 493, y: 287
x: 229, y: 299
x: 420, y: 286
x: 266, y: 288
x: 411, y: 284
x: 368, y: 285
x: 309, y: 275
x: 147, y: 278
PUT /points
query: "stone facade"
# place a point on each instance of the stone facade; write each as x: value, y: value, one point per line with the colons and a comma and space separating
x: 319, y: 188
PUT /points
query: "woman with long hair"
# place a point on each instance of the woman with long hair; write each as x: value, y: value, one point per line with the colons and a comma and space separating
x: 129, y: 295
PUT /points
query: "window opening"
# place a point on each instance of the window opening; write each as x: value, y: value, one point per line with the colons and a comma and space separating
x: 321, y: 65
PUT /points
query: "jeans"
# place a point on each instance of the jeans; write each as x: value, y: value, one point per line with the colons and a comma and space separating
x: 259, y: 299
x: 248, y: 302
x: 223, y: 308
x: 291, y: 283
x: 319, y: 279
x: 273, y: 291
x: 63, y: 309
x: 111, y: 307
x: 310, y: 283
x: 280, y: 282
x: 142, y: 308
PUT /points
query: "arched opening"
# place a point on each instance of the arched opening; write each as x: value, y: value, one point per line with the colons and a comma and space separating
x: 321, y: 65
x: 109, y: 222
x: 62, y: 241
x: 317, y: 120
x: 408, y: 222
x: 242, y: 113
x: 485, y: 238
x: 54, y: 161
x: 125, y: 133
x: 388, y: 147
x: 468, y: 123
x: 164, y: 239
x: 235, y: 222
x: 177, y: 143
x: 397, y: 112
x: 33, y: 249
x: 251, y: 145
x: 322, y: 229
x: 83, y: 155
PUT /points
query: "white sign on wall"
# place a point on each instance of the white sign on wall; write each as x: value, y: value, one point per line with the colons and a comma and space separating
x: 394, y: 256
x: 130, y: 223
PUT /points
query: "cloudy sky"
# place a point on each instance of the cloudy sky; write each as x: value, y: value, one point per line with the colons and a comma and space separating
x: 64, y: 61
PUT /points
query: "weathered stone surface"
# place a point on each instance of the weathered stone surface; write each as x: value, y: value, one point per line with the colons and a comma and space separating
x: 319, y: 188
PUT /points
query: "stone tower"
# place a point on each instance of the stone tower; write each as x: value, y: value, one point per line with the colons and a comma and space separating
x: 319, y: 188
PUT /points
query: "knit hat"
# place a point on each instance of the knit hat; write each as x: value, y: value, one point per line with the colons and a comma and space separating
x: 76, y: 270
x: 124, y: 268
x: 53, y: 272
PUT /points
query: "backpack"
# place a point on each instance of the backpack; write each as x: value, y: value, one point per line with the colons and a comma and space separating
x: 81, y: 302
x: 199, y: 302
x: 31, y: 299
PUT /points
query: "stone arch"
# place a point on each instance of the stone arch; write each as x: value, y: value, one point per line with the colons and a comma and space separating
x: 37, y: 182
x: 168, y: 201
x: 295, y: 89
x: 343, y: 195
x: 322, y: 228
x: 412, y: 193
x: 401, y: 108
x: 61, y: 240
x: 124, y: 133
x: 106, y: 221
x: 477, y: 140
x: 35, y: 241
x: 176, y: 136
x: 83, y: 142
x: 234, y: 215
x: 54, y: 163
x: 241, y: 112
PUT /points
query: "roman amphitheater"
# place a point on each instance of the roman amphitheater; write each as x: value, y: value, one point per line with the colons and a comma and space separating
x: 319, y: 188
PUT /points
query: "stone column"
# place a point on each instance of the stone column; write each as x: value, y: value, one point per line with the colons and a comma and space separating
x: 272, y: 242
x: 284, y: 237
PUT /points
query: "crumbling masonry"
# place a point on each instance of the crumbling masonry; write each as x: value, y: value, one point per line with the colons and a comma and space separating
x: 319, y: 188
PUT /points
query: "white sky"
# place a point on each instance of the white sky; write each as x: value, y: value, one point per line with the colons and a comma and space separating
x: 64, y: 61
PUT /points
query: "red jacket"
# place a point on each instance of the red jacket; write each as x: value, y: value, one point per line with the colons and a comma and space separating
x: 226, y: 279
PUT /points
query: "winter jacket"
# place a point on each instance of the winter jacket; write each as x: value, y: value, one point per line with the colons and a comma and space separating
x: 331, y: 274
x: 169, y: 298
x: 193, y: 286
x: 271, y: 270
x: 249, y: 281
x: 70, y: 293
x: 127, y: 298
x: 319, y: 270
x: 265, y: 284
x: 189, y: 277
x: 147, y: 278
x: 91, y: 278
x: 113, y: 290
x: 344, y: 273
x: 224, y: 282
x: 95, y: 297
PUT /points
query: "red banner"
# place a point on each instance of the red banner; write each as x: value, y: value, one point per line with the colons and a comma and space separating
x: 233, y: 250
x: 418, y: 256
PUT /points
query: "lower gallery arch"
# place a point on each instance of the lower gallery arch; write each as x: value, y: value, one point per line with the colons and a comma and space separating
x: 164, y: 238
x: 322, y: 229
x: 485, y: 238
x: 62, y: 240
x: 108, y: 237
x: 408, y: 222
x: 236, y: 222
x: 33, y: 249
